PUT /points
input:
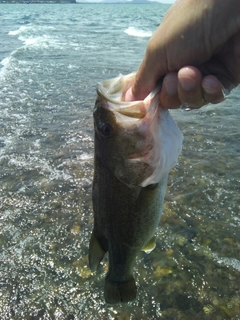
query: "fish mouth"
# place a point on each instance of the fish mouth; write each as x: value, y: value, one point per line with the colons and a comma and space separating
x: 112, y: 93
x: 114, y: 90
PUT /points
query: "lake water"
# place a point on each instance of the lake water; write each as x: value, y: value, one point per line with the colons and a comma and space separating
x: 51, y: 58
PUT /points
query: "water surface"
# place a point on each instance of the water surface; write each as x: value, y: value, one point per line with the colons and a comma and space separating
x: 51, y: 57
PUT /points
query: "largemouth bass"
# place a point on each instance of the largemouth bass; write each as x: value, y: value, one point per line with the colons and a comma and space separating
x: 136, y: 145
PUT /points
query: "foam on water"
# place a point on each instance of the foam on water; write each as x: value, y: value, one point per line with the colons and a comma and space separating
x: 43, y: 41
x: 5, y: 63
x: 30, y: 29
x: 36, y: 36
x: 22, y: 29
x: 135, y: 32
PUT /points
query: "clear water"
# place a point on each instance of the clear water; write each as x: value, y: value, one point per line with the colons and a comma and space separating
x: 51, y: 57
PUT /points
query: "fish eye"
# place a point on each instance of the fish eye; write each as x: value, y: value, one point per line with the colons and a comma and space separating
x: 106, y: 129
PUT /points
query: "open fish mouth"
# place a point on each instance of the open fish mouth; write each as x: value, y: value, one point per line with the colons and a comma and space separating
x: 113, y: 92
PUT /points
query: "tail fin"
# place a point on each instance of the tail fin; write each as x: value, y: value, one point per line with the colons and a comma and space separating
x: 118, y: 292
x: 96, y: 252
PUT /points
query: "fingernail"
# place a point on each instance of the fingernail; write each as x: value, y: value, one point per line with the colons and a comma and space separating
x: 170, y: 84
x: 209, y: 86
x: 187, y: 83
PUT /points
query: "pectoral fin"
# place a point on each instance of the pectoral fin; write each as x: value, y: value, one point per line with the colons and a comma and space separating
x: 96, y: 252
x: 150, y: 245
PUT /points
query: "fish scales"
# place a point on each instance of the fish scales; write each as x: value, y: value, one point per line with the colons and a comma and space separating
x: 136, y: 145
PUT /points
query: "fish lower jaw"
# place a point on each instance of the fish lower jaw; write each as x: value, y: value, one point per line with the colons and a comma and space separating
x: 120, y: 292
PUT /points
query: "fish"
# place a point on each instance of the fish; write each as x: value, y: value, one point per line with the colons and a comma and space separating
x: 136, y: 144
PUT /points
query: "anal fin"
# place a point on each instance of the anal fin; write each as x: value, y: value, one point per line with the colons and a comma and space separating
x: 150, y: 245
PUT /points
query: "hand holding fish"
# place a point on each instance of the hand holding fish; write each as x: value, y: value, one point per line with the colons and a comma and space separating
x: 136, y: 142
x: 197, y: 51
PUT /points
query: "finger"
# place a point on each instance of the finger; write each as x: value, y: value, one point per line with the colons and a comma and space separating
x: 145, y: 80
x: 190, y: 87
x: 169, y: 92
x: 213, y: 90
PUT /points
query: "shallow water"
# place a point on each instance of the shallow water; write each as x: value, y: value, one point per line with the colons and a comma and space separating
x: 52, y: 56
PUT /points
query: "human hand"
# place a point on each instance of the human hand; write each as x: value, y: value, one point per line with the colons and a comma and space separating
x: 203, y: 35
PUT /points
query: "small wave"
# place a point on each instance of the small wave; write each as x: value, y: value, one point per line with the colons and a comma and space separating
x: 18, y: 31
x: 6, y: 64
x: 132, y: 31
x: 12, y: 65
x: 30, y: 29
x: 5, y: 61
x: 40, y: 41
x: 36, y: 36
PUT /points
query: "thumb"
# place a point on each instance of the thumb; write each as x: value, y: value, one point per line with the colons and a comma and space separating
x: 146, y: 78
